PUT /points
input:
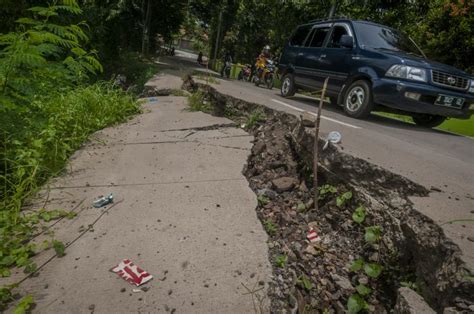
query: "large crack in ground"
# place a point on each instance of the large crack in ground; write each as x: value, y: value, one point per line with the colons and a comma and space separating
x: 413, y: 250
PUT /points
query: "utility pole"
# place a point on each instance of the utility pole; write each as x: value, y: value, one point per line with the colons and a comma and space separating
x: 146, y: 28
x: 332, y: 11
x: 216, y: 48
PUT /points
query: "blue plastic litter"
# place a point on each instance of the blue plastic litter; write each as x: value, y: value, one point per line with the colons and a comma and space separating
x: 101, y: 202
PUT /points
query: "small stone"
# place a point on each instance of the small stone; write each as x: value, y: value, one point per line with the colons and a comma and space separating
x: 470, y: 239
x: 91, y: 307
x: 311, y: 250
x: 284, y: 184
x: 342, y: 282
x: 123, y: 290
x: 363, y: 280
x: 307, y: 119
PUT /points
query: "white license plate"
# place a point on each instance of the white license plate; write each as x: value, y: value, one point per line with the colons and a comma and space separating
x: 449, y: 101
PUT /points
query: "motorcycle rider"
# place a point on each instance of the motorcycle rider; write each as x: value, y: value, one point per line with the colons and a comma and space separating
x: 262, y: 60
x: 227, y: 59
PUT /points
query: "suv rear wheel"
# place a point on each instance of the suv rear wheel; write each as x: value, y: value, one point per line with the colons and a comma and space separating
x: 288, y: 87
x: 428, y: 120
x: 358, y: 99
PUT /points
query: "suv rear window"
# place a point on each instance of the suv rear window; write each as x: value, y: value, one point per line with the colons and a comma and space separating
x: 300, y: 35
x: 318, y: 35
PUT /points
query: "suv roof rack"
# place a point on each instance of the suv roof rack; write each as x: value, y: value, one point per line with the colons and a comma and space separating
x: 329, y: 19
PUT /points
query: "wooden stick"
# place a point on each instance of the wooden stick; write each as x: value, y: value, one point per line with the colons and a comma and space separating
x: 316, y: 147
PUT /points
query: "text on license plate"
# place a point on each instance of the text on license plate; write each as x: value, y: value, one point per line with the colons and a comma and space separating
x: 449, y: 101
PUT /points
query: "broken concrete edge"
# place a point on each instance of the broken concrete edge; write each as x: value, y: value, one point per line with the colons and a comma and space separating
x: 442, y: 275
x: 410, y: 302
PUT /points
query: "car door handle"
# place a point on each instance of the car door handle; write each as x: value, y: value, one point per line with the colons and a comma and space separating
x: 322, y: 57
x: 300, y: 54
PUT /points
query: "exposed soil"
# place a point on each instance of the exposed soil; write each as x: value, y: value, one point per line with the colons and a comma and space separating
x: 316, y: 277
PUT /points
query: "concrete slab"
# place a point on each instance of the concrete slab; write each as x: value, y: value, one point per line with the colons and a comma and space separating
x: 183, y: 212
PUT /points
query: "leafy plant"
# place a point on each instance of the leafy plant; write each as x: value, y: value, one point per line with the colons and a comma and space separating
x: 263, y: 200
x: 372, y: 270
x: 198, y: 103
x: 357, y: 265
x: 24, y: 305
x: 301, y: 207
x: 359, y: 215
x: 325, y: 190
x: 59, y: 248
x: 373, y: 234
x: 356, y: 303
x: 363, y: 290
x: 281, y: 260
x: 343, y: 199
x: 304, y: 282
x: 254, y: 117
x: 270, y: 227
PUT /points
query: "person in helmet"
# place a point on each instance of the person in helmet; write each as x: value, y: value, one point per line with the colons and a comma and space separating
x: 262, y: 60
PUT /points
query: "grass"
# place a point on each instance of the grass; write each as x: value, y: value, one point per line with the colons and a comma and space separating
x: 462, y: 127
x: 254, y: 117
x: 35, y: 144
x: 196, y: 102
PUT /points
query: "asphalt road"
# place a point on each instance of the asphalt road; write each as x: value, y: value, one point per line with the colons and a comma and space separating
x: 431, y: 158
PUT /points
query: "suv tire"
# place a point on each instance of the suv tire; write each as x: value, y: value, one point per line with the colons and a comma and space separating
x: 358, y: 99
x: 288, y: 87
x: 428, y: 120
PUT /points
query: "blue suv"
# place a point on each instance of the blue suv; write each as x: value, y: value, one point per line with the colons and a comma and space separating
x: 371, y: 65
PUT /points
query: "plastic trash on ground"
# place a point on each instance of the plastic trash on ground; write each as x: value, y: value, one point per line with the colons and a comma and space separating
x: 103, y: 201
x: 313, y: 236
x: 333, y: 137
x: 132, y: 273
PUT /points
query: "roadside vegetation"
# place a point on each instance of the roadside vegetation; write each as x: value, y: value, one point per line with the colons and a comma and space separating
x: 51, y: 101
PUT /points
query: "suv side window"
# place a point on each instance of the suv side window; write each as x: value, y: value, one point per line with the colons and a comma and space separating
x: 317, y: 37
x: 300, y: 35
x: 336, y: 35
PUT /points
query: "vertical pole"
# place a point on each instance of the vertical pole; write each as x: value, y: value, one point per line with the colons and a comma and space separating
x: 316, y: 147
x: 216, y: 48
x: 333, y: 9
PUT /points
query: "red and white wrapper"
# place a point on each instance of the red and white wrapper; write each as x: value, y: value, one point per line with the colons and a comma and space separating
x: 313, y: 236
x: 132, y: 273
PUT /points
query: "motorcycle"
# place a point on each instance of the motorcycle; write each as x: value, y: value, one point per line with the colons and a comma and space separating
x: 266, y: 75
x: 226, y: 69
x: 245, y: 74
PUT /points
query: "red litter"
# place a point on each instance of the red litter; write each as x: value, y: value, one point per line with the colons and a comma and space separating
x: 132, y: 273
x: 313, y: 236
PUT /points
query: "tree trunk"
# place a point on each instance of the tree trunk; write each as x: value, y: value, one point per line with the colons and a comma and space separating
x: 146, y: 27
x: 316, y: 146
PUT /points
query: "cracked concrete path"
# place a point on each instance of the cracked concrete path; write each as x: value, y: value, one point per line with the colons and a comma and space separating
x: 183, y: 212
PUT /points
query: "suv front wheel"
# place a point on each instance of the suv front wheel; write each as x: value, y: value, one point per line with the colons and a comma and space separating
x: 288, y: 87
x: 428, y: 120
x: 358, y: 99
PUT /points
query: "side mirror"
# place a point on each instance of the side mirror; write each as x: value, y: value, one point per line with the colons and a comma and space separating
x: 346, y: 41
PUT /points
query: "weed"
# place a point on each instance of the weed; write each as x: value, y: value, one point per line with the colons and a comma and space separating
x: 373, y: 234
x: 281, y: 260
x: 270, y: 227
x: 263, y: 200
x: 24, y: 305
x: 198, y: 103
x: 304, y: 282
x: 230, y: 111
x: 359, y: 215
x: 254, y: 117
x: 343, y: 199
x: 325, y: 190
x: 356, y: 303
